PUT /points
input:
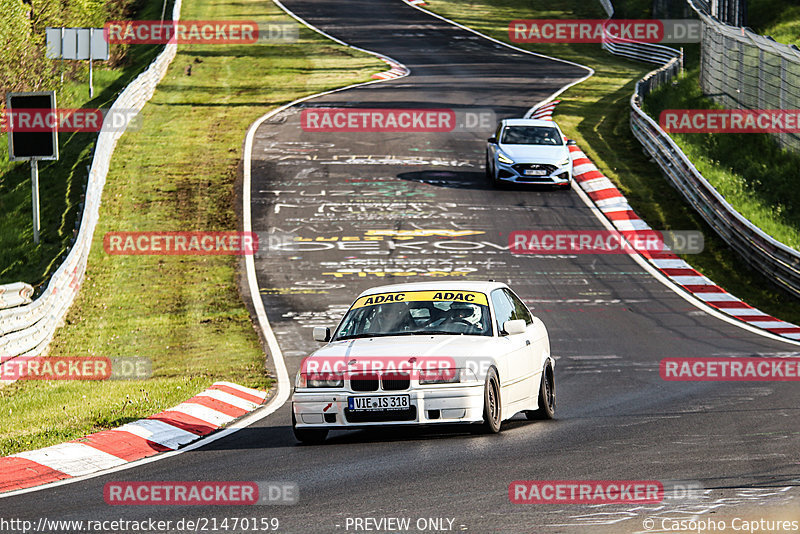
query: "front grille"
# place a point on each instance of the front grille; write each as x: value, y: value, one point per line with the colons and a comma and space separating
x: 522, y: 167
x: 535, y: 179
x: 395, y: 382
x: 379, y: 416
x: 364, y: 382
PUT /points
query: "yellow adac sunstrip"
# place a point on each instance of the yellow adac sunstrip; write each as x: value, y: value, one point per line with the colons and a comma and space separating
x: 473, y: 297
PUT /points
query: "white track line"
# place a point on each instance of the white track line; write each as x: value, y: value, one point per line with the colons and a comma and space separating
x: 658, y: 275
x: 284, y: 384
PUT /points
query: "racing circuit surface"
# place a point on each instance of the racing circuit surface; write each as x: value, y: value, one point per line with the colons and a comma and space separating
x: 378, y: 208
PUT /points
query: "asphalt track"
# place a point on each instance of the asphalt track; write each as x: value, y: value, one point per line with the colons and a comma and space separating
x: 610, y: 323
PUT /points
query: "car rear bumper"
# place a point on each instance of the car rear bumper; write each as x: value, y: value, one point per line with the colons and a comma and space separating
x: 435, y: 405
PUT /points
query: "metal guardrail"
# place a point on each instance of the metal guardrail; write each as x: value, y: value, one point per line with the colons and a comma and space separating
x: 774, y: 259
x: 771, y: 257
x: 28, y: 329
x: 647, y: 52
x: 608, y: 7
x: 15, y: 294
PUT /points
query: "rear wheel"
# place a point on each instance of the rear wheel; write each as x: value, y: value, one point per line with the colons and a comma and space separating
x: 309, y: 436
x: 492, y: 408
x: 547, y: 397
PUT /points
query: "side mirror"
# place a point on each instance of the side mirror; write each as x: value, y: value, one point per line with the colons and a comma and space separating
x: 571, y: 142
x: 517, y: 326
x: 492, y: 140
x: 322, y: 333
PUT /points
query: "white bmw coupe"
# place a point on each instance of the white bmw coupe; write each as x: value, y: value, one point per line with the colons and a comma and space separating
x: 426, y: 353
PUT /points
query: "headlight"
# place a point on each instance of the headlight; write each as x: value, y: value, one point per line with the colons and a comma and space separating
x: 502, y: 158
x: 445, y: 376
x: 564, y: 162
x: 318, y: 380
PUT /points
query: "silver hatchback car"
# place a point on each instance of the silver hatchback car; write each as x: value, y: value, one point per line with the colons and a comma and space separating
x: 529, y: 151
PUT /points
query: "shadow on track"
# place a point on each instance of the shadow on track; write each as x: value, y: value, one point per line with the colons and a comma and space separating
x: 469, y: 180
x: 270, y: 437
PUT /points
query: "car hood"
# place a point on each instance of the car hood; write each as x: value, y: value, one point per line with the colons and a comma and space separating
x: 535, y: 153
x: 453, y: 346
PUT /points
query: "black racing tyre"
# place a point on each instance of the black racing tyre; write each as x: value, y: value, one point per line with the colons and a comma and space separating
x: 308, y: 436
x: 492, y: 407
x: 547, y: 397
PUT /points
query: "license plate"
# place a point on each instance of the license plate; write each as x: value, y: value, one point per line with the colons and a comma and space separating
x: 383, y: 402
x: 535, y: 172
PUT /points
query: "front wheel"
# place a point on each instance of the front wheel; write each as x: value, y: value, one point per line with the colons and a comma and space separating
x: 492, y: 408
x: 309, y: 436
x: 547, y: 397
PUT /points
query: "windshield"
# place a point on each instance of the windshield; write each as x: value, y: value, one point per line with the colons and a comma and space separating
x: 417, y: 313
x: 531, y: 135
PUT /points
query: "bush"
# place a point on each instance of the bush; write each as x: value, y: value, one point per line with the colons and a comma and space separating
x: 23, y: 66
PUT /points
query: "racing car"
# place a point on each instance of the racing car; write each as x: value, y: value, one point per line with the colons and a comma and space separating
x: 426, y: 353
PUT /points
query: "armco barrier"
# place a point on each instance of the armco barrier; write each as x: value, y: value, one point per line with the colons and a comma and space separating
x: 28, y: 329
x: 636, y: 50
x: 777, y: 261
x: 647, y: 52
x: 15, y: 294
x: 774, y: 259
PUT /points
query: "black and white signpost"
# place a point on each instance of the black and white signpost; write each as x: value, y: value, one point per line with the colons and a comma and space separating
x: 35, y: 140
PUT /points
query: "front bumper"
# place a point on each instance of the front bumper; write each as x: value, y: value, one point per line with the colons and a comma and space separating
x: 429, y: 405
x: 515, y: 173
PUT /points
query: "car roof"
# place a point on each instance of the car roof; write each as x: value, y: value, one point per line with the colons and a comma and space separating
x: 472, y: 285
x: 528, y: 122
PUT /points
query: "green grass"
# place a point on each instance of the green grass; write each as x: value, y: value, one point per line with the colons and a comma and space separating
x: 751, y: 171
x: 61, y: 182
x: 596, y: 114
x: 780, y: 19
x: 177, y: 173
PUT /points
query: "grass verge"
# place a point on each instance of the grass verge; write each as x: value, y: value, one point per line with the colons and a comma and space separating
x: 596, y: 114
x: 61, y: 182
x: 177, y: 173
x: 751, y: 171
x: 780, y: 19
